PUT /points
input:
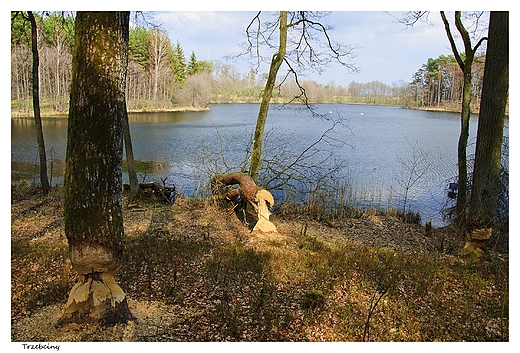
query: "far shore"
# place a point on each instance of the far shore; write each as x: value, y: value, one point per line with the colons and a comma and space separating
x: 64, y: 114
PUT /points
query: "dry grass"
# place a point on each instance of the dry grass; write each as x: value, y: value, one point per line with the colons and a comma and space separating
x: 193, y: 272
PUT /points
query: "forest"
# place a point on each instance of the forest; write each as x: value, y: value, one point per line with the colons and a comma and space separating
x: 162, y: 77
x: 96, y: 260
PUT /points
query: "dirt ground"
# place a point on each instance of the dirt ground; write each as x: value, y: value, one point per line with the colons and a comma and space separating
x: 37, y: 222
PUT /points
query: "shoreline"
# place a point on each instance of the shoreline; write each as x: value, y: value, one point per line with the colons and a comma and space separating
x: 62, y: 114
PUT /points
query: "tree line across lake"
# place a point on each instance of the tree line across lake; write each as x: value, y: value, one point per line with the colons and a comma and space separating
x: 161, y: 77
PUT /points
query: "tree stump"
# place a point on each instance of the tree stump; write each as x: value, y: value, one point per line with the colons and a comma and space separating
x: 264, y: 201
x: 476, y: 242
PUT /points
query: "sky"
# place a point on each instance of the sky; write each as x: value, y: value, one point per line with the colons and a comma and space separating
x: 388, y: 51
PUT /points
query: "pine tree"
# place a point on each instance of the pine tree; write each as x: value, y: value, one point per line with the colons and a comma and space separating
x: 192, y: 64
x: 138, y: 44
x: 179, y: 64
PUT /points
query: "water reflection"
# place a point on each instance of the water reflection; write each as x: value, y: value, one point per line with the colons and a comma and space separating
x: 165, y: 117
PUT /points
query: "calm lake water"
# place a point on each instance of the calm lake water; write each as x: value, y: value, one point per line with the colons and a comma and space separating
x: 378, y: 148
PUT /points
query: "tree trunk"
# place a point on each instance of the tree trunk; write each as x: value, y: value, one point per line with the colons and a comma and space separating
x: 132, y: 174
x: 486, y: 173
x: 36, y: 105
x: 262, y: 200
x: 462, y: 161
x: 248, y: 187
x: 276, y: 62
x: 466, y: 67
x: 93, y: 184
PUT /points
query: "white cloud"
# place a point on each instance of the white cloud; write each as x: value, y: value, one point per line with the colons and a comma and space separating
x: 388, y: 51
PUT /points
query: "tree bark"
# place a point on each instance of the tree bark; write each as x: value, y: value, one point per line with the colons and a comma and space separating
x: 248, y: 187
x: 276, y: 62
x: 93, y: 183
x: 262, y: 200
x: 486, y: 173
x: 462, y: 160
x: 132, y: 174
x: 466, y: 67
x: 36, y: 105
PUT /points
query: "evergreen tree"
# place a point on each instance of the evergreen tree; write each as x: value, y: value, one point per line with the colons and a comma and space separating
x: 20, y: 29
x: 192, y: 64
x: 179, y: 64
x: 138, y: 44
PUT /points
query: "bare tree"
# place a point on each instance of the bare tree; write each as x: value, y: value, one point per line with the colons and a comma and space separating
x: 465, y: 63
x: 132, y: 174
x: 300, y: 34
x: 36, y: 104
x: 414, y: 166
x: 159, y: 50
x: 196, y: 91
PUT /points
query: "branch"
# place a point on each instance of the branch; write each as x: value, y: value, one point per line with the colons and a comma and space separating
x: 463, y: 32
x: 302, y: 154
x: 452, y: 41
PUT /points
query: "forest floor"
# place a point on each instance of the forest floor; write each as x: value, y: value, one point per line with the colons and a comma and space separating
x: 193, y: 271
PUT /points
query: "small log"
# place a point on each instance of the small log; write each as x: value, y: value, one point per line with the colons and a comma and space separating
x: 150, y: 189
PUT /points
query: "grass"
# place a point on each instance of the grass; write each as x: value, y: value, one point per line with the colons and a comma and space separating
x: 309, y: 282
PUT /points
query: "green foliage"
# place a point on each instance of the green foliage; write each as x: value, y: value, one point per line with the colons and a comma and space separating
x: 58, y: 29
x: 192, y: 64
x: 439, y: 82
x: 179, y: 64
x: 20, y: 29
x: 204, y: 67
x: 312, y: 299
x: 138, y: 44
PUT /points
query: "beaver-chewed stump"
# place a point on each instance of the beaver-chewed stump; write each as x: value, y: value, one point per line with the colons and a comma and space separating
x: 261, y: 199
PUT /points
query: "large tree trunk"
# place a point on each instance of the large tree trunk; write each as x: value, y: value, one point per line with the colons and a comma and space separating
x: 276, y: 62
x: 486, y: 173
x: 93, y: 185
x: 36, y: 105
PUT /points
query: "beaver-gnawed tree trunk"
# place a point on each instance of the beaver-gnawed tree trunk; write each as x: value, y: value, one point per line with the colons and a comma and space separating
x: 248, y: 192
x: 93, y: 185
x: 488, y: 152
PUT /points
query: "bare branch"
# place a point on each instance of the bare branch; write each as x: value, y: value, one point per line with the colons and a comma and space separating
x: 452, y: 41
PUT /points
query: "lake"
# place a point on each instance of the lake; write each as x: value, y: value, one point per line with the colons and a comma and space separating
x: 383, y: 153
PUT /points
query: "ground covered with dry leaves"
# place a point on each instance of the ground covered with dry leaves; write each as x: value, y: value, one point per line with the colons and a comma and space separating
x: 193, y: 271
